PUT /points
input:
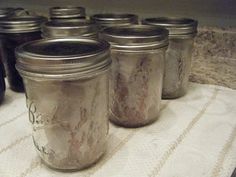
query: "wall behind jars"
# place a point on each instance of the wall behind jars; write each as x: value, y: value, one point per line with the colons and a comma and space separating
x: 220, y: 13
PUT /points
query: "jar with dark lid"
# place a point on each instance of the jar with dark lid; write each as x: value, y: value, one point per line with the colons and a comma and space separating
x: 16, y: 30
x: 109, y: 20
x: 4, y: 12
x: 67, y: 12
x: 137, y: 53
x: 178, y: 57
x: 2, y: 83
x: 70, y: 126
x: 69, y: 28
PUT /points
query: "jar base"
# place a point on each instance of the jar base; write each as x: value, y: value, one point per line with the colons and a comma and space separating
x: 113, y: 119
x: 68, y: 170
x: 174, y: 96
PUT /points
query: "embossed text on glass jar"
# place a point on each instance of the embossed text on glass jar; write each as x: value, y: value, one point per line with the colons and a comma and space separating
x: 67, y: 99
x: 137, y: 71
x: 178, y: 55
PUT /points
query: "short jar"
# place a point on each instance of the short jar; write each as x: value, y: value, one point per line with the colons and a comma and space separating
x: 110, y: 20
x: 16, y: 30
x: 66, y: 83
x: 178, y: 56
x: 137, y: 53
x: 2, y: 83
x: 67, y: 13
x: 70, y: 28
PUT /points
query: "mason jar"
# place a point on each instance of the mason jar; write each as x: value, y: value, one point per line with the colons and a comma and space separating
x: 4, y: 12
x: 67, y: 13
x: 66, y: 83
x: 16, y: 30
x: 137, y: 53
x: 2, y: 83
x: 109, y: 20
x: 70, y: 28
x: 178, y: 56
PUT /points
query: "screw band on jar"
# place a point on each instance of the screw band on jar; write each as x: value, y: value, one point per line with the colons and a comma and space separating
x: 69, y: 28
x: 177, y: 27
x: 63, y: 58
x: 108, y: 20
x: 67, y: 12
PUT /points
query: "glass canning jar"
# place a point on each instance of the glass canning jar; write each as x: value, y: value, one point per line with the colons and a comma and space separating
x: 178, y: 56
x: 70, y: 28
x: 66, y: 84
x: 137, y: 53
x: 16, y: 30
x: 67, y: 13
x: 109, y: 20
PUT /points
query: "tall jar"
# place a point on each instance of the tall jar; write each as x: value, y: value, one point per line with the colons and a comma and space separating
x: 109, y: 20
x: 66, y: 82
x: 69, y: 28
x: 137, y: 53
x: 67, y: 13
x: 16, y: 30
x: 178, y: 57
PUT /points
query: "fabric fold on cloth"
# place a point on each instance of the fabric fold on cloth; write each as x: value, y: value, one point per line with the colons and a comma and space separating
x: 195, y: 136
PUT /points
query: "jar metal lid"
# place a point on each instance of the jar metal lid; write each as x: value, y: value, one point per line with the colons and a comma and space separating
x: 136, y: 37
x: 115, y: 19
x: 21, y: 24
x: 79, y: 28
x: 176, y: 26
x: 63, y: 58
x: 67, y: 12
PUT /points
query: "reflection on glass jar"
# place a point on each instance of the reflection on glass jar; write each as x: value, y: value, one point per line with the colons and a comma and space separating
x: 137, y: 71
x: 66, y: 82
x: 179, y: 53
x: 14, y: 31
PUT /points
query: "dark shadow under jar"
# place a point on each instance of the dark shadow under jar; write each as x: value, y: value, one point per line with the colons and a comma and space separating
x: 14, y: 31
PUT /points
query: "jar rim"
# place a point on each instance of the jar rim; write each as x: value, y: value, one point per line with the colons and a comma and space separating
x: 69, y: 28
x: 63, y: 57
x: 175, y: 25
x: 21, y: 24
x: 136, y: 37
x: 114, y: 18
x: 64, y: 12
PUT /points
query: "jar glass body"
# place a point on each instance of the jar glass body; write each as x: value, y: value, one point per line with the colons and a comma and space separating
x: 69, y: 119
x: 2, y: 83
x: 177, y: 67
x: 9, y: 41
x: 136, y: 86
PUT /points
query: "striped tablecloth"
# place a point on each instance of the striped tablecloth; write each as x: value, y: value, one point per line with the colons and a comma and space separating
x: 195, y: 136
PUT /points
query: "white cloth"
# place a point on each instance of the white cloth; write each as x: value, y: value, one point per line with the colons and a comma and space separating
x: 195, y: 136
